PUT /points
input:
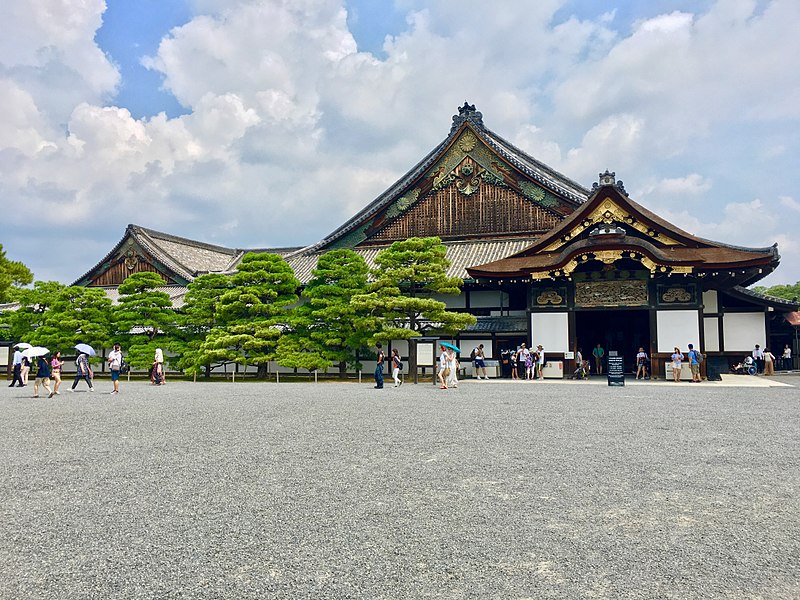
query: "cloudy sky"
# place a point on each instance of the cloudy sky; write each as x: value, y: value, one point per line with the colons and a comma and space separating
x: 269, y: 123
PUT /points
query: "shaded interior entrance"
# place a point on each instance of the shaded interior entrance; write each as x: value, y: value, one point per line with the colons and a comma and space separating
x: 620, y: 330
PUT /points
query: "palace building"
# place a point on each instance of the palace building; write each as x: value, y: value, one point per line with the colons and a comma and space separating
x: 544, y: 260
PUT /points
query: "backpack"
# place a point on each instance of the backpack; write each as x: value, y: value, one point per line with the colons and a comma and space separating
x: 698, y: 356
x: 473, y: 354
x: 399, y: 365
x: 124, y: 367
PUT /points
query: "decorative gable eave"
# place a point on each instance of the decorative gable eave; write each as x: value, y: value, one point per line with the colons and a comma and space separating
x: 134, y: 246
x: 418, y: 182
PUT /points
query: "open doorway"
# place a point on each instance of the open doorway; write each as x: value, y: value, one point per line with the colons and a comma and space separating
x: 621, y: 330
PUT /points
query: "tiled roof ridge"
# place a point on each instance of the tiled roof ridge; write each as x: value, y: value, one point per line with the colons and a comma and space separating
x: 573, y: 190
x: 471, y: 118
x: 183, y: 240
x: 765, y: 297
x: 142, y: 235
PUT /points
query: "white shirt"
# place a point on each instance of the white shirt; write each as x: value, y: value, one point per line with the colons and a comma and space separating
x: 541, y: 355
x: 17, y: 357
x: 758, y: 353
x: 443, y: 361
x: 787, y: 353
x: 115, y: 358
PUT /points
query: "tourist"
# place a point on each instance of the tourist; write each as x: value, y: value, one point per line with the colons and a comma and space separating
x: 55, y: 370
x: 598, y: 354
x: 159, y: 360
x: 523, y: 356
x: 787, y: 358
x: 84, y: 372
x: 769, y: 362
x: 480, y: 362
x: 677, y: 358
x: 452, y: 365
x: 396, y: 367
x: 115, y: 364
x: 694, y: 363
x: 17, y: 363
x: 42, y: 377
x: 530, y: 360
x: 25, y: 369
x: 512, y: 358
x: 540, y: 361
x: 379, y: 366
x: 758, y: 356
x: 444, y: 372
x: 641, y: 363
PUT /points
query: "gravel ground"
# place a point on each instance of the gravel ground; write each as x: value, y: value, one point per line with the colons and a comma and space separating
x: 302, y: 490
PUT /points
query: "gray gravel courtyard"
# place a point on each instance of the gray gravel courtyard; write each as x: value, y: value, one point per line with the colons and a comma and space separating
x: 337, y: 490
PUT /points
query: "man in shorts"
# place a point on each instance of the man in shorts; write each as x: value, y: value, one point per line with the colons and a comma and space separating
x: 115, y: 363
x: 694, y: 364
x: 480, y: 362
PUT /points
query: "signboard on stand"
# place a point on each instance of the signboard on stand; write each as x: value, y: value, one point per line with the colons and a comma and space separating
x: 615, y: 370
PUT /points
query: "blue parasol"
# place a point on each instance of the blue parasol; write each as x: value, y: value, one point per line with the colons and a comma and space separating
x: 449, y: 345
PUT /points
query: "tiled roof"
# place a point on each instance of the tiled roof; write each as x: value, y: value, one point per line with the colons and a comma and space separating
x: 467, y: 117
x: 460, y: 254
x: 498, y: 325
x: 176, y: 294
x: 193, y: 256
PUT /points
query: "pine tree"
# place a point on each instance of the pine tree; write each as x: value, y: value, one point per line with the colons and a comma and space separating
x: 409, y: 272
x: 327, y: 328
x: 12, y: 275
x: 144, y: 318
x: 253, y: 313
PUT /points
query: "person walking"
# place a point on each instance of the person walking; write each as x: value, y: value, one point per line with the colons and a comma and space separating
x: 677, y: 359
x: 25, y: 369
x: 598, y: 354
x: 694, y: 363
x: 758, y: 356
x: 115, y: 364
x: 42, y: 377
x: 769, y: 362
x: 17, y: 364
x: 55, y: 370
x: 480, y: 362
x: 84, y: 372
x: 452, y: 364
x: 397, y: 366
x: 787, y: 358
x: 379, y: 366
x: 444, y: 372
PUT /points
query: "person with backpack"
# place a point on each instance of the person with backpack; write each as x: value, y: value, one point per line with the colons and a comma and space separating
x: 115, y: 363
x: 695, y: 358
x: 397, y: 366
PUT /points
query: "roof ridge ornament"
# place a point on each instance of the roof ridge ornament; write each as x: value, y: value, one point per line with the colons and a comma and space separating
x: 608, y: 179
x: 467, y: 112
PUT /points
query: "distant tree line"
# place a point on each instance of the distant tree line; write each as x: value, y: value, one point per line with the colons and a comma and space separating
x: 252, y: 317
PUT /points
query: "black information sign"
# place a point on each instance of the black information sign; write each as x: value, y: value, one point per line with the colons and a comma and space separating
x: 615, y: 371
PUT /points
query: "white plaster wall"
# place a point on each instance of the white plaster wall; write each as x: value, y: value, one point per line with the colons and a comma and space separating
x: 711, y: 332
x: 551, y: 330
x: 677, y: 328
x: 742, y: 331
x: 467, y: 346
x: 710, y: 304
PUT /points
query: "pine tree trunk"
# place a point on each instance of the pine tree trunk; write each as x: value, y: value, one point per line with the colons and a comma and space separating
x: 412, y: 359
x: 343, y: 370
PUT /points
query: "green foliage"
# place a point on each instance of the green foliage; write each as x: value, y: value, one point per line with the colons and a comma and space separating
x: 199, y: 316
x: 142, y: 315
x: 12, y: 275
x: 33, y: 306
x: 327, y: 328
x: 785, y: 291
x: 252, y: 314
x: 409, y: 272
x: 75, y: 315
